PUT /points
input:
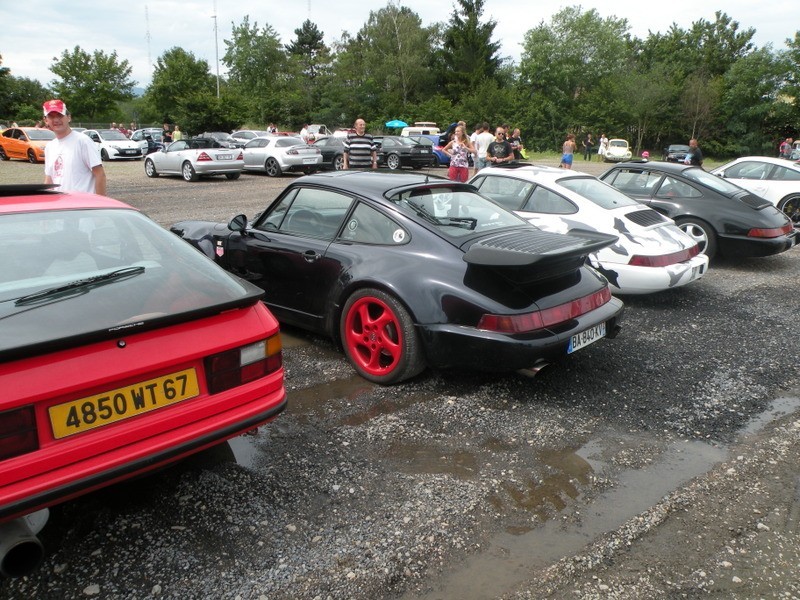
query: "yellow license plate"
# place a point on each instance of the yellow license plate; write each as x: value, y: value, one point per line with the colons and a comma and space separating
x: 95, y: 411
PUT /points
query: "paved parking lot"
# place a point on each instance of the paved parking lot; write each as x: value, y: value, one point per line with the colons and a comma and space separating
x: 658, y: 464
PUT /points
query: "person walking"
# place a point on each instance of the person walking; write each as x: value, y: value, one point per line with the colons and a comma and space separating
x: 602, y: 146
x: 459, y: 149
x: 516, y: 143
x: 588, y: 147
x: 695, y: 155
x: 71, y: 160
x: 360, y: 151
x: 568, y: 152
x: 482, y: 141
x: 166, y: 136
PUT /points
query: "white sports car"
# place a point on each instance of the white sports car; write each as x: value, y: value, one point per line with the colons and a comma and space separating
x: 774, y: 179
x: 195, y: 158
x: 617, y: 151
x: 113, y: 145
x: 651, y: 254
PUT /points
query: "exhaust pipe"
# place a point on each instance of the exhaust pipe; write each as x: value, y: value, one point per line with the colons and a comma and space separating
x: 20, y: 550
x: 534, y: 370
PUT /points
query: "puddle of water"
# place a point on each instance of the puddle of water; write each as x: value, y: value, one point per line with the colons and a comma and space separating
x: 422, y: 459
x: 312, y: 400
x: 513, y: 555
x: 778, y: 408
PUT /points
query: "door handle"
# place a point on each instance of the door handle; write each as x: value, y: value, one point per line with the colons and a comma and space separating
x: 310, y: 256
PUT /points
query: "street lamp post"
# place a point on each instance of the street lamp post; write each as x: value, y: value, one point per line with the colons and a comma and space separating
x: 216, y: 50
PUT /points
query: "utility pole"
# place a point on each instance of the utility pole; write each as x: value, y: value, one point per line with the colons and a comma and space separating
x: 216, y: 43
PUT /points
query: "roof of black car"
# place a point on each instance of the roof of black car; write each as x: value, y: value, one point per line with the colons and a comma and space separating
x: 655, y: 165
x: 372, y: 182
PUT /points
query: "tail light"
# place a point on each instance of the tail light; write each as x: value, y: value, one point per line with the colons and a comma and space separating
x: 771, y: 232
x: 18, y: 432
x: 529, y: 322
x: 241, y: 155
x: 203, y: 157
x: 664, y: 260
x: 242, y: 365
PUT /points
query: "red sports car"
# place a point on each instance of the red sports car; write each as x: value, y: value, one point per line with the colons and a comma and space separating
x: 122, y: 349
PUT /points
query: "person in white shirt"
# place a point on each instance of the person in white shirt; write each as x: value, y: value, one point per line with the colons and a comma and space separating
x: 482, y: 141
x: 71, y: 160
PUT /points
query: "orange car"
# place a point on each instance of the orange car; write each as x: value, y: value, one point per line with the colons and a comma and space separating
x: 26, y: 143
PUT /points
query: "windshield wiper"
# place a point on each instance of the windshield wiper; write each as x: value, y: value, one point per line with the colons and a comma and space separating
x: 80, y: 286
x: 464, y: 222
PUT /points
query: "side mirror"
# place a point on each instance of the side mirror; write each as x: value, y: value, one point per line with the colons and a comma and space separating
x: 238, y: 223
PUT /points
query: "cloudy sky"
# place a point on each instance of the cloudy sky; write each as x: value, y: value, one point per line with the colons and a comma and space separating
x: 35, y: 32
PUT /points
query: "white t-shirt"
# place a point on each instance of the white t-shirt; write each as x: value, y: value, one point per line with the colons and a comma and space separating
x: 482, y: 142
x: 69, y: 162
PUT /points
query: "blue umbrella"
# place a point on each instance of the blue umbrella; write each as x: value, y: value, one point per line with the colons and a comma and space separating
x: 396, y: 123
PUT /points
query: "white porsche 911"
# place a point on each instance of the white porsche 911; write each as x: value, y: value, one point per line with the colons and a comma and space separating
x: 651, y: 254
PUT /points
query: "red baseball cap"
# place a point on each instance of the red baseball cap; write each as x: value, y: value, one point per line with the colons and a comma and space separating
x: 54, y: 106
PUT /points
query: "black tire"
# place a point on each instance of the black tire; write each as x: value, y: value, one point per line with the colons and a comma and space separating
x: 103, y: 154
x: 3, y: 155
x: 436, y: 163
x: 338, y: 162
x: 272, y: 168
x: 232, y: 175
x: 188, y: 173
x: 150, y: 168
x: 701, y: 232
x: 393, y: 162
x: 32, y: 157
x: 791, y: 206
x: 379, y: 337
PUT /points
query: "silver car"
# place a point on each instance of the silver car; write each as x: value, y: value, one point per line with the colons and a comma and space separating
x: 277, y: 154
x: 194, y: 158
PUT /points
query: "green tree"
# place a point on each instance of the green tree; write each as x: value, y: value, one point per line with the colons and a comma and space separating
x: 562, y: 64
x: 91, y: 84
x: 468, y: 55
x: 177, y: 75
x: 309, y: 61
x: 258, y: 72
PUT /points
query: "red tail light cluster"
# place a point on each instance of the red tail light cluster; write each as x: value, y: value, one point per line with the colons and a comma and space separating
x: 528, y: 322
x: 203, y: 157
x: 18, y: 432
x: 241, y: 365
x: 772, y: 232
x: 664, y: 260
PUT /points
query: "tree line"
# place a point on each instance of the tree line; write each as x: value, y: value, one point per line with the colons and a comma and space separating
x: 577, y: 73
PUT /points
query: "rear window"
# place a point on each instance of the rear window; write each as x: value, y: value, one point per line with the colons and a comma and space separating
x: 77, y: 273
x: 598, y: 192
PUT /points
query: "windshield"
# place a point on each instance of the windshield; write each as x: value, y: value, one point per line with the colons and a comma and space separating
x: 598, y: 192
x: 407, y: 141
x: 455, y: 212
x: 714, y: 182
x: 40, y: 134
x: 112, y: 135
x: 79, y: 272
x: 618, y: 144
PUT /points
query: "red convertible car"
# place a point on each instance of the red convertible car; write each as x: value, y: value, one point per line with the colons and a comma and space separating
x: 122, y: 349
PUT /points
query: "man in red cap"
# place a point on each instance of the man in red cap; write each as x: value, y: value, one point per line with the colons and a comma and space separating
x: 71, y: 160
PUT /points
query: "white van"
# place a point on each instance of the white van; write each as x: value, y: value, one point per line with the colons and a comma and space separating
x: 420, y: 128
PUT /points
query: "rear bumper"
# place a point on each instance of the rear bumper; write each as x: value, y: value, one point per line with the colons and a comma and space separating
x: 626, y: 279
x: 449, y: 346
x: 145, y: 455
x: 748, y: 247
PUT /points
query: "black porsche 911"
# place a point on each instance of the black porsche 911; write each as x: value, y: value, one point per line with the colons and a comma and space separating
x: 407, y: 271
x: 722, y: 217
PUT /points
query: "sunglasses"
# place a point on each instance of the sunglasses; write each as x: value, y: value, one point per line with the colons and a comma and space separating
x: 500, y: 134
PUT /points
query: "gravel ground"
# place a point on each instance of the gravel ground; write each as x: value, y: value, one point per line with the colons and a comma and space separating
x: 661, y: 464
